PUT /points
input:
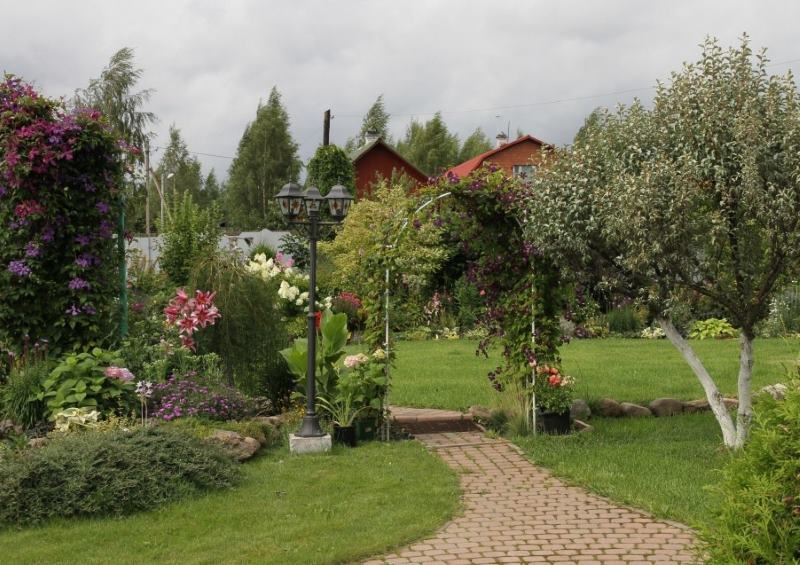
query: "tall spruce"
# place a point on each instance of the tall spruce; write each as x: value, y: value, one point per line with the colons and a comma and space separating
x: 430, y: 147
x: 265, y: 160
x: 376, y: 120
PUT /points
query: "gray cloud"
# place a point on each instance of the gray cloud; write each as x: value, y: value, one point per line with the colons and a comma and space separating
x: 211, y: 62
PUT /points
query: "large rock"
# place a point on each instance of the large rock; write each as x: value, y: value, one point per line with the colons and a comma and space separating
x: 609, y: 408
x: 37, y: 442
x: 580, y: 410
x: 666, y: 407
x: 695, y: 406
x: 635, y: 411
x: 241, y: 447
x: 275, y: 421
x: 776, y: 391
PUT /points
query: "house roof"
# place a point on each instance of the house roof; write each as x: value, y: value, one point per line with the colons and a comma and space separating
x: 465, y: 168
x: 356, y: 155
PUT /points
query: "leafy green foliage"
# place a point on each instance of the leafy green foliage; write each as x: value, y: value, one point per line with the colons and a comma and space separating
x: 378, y: 234
x: 474, y: 145
x: 330, y: 350
x: 250, y: 332
x: 330, y: 166
x: 757, y: 521
x: 263, y: 248
x: 266, y: 159
x: 713, y: 328
x: 108, y: 474
x: 80, y: 381
x: 192, y: 234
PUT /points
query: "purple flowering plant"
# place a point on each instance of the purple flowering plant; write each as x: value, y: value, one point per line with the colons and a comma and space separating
x: 59, y: 178
x: 188, y: 394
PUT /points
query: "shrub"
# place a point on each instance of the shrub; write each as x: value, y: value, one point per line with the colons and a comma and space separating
x: 59, y: 179
x: 625, y: 320
x: 715, y: 328
x: 108, y: 474
x: 758, y: 520
x: 296, y: 247
x: 89, y: 380
x: 265, y: 433
x: 349, y: 303
x: 191, y: 234
x: 470, y: 304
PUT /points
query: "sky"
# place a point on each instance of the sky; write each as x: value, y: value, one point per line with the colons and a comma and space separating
x: 535, y: 66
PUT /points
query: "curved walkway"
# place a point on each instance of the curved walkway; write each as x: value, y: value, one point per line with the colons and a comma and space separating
x: 516, y: 512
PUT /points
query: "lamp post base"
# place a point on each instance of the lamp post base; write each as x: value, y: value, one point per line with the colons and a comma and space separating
x: 317, y: 444
x: 310, y: 427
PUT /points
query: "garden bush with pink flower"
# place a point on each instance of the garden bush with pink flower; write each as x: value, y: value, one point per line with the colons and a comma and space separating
x: 60, y: 174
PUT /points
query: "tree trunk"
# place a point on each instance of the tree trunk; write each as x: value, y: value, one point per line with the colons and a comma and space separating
x: 729, y: 432
x: 745, y: 412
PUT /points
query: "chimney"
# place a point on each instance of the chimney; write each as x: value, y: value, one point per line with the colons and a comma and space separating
x: 371, y: 136
x: 502, y: 139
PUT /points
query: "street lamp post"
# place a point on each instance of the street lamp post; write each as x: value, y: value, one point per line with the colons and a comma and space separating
x: 293, y: 201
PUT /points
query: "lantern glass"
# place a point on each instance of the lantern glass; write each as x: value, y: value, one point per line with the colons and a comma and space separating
x: 290, y: 200
x: 339, y: 200
x: 313, y: 200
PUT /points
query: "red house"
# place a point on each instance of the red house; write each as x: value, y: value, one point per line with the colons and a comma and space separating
x: 517, y: 157
x: 377, y: 160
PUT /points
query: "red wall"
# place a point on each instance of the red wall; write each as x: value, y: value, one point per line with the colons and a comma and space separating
x: 524, y: 153
x: 378, y: 163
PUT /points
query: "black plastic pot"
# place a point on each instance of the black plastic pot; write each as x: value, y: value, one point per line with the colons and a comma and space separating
x: 346, y: 435
x: 556, y: 424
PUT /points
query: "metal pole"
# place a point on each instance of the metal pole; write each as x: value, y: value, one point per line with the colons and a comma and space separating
x: 385, y: 409
x: 161, y: 195
x: 123, y: 272
x: 310, y: 426
x: 147, y: 199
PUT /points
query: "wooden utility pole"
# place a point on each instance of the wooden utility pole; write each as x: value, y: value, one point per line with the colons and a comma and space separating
x: 326, y: 128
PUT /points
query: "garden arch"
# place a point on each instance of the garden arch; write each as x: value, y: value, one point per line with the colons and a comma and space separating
x: 482, y: 217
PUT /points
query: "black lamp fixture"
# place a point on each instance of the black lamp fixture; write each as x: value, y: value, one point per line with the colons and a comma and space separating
x: 292, y: 199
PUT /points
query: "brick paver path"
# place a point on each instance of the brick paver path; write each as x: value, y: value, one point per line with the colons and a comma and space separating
x: 516, y: 512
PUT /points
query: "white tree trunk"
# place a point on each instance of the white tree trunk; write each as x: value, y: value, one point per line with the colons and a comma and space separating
x: 729, y: 435
x: 745, y: 412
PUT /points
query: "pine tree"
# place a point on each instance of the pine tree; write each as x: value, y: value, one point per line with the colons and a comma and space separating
x: 266, y: 159
x: 212, y: 191
x: 375, y: 120
x: 474, y: 145
x: 430, y: 147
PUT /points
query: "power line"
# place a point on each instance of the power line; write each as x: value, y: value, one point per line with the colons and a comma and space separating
x: 154, y: 149
x: 539, y: 103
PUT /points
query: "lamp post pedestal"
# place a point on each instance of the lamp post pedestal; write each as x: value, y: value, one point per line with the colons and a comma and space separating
x: 309, y: 444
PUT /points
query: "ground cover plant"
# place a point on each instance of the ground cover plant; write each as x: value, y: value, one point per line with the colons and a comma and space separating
x: 333, y: 508
x: 108, y: 474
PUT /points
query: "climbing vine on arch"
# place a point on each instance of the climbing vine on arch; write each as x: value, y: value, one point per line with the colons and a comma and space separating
x: 483, y: 220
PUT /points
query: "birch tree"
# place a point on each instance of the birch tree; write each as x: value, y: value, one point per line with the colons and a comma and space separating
x: 699, y: 195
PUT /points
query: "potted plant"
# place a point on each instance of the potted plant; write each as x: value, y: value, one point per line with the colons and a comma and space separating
x: 553, y: 392
x: 342, y: 410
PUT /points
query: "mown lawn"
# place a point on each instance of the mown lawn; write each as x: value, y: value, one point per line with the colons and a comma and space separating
x: 447, y: 374
x: 663, y: 465
x: 332, y: 508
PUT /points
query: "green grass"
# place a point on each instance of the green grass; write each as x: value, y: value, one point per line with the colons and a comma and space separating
x: 290, y: 509
x: 663, y: 465
x: 447, y: 374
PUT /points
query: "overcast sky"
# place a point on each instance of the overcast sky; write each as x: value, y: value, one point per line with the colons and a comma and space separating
x: 483, y: 64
